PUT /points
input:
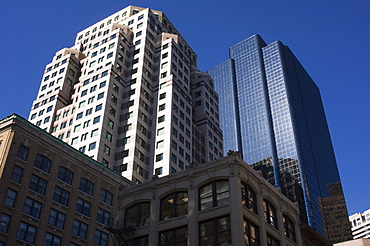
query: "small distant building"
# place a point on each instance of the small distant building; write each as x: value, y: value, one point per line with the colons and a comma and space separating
x: 360, y: 224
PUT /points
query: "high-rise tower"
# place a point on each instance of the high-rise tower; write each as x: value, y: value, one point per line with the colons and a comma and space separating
x: 271, y: 111
x: 129, y: 94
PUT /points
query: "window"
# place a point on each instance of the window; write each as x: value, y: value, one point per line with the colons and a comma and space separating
x: 269, y: 212
x: 65, y: 175
x: 161, y: 118
x: 22, y: 153
x: 215, y: 232
x: 52, y: 240
x: 100, y: 238
x: 162, y: 96
x: 249, y: 198
x: 26, y: 232
x: 57, y: 218
x: 110, y: 123
x: 159, y: 157
x: 32, y: 207
x: 178, y: 236
x: 17, y: 174
x: 251, y: 234
x: 10, y: 197
x: 106, y: 197
x: 174, y: 205
x: 271, y: 241
x: 92, y: 146
x: 43, y: 163
x: 79, y: 229
x: 137, y: 215
x: 37, y: 184
x: 4, y: 222
x: 96, y: 120
x: 106, y: 150
x: 162, y: 107
x: 160, y: 131
x: 160, y: 144
x: 214, y: 194
x: 86, y: 186
x: 125, y: 153
x: 83, y: 207
x: 98, y: 107
x: 103, y: 217
x: 61, y: 196
x: 289, y: 228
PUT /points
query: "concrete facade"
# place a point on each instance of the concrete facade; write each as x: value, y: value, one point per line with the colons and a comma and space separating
x: 224, y: 202
x: 123, y: 96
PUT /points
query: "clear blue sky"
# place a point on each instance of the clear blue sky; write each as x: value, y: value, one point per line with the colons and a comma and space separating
x: 328, y: 37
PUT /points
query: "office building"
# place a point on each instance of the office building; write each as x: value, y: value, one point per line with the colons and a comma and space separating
x: 360, y: 224
x: 224, y: 202
x: 52, y: 194
x: 126, y: 95
x: 271, y: 111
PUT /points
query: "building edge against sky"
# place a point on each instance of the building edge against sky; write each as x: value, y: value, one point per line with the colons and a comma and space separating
x: 129, y: 94
x: 271, y: 111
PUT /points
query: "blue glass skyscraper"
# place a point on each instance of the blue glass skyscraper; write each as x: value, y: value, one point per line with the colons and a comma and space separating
x: 271, y: 111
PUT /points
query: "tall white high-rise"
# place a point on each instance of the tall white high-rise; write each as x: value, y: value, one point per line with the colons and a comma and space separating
x: 129, y: 94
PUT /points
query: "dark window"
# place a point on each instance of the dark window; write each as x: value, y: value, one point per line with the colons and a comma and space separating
x: 100, y: 238
x: 83, y: 207
x: 106, y: 197
x: 215, y: 232
x: 32, y: 207
x: 249, y: 198
x: 251, y: 234
x: 103, y: 217
x: 289, y: 228
x: 4, y: 222
x: 17, y: 174
x: 269, y: 212
x: 61, y: 196
x: 52, y: 240
x: 79, y: 229
x: 174, y: 205
x: 214, y: 194
x: 43, y: 163
x: 65, y: 175
x: 178, y: 236
x: 137, y: 215
x: 22, y: 153
x: 38, y: 184
x: 86, y: 186
x: 26, y: 232
x: 271, y: 241
x: 57, y: 218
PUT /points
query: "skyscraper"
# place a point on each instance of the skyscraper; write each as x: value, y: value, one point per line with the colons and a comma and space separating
x: 271, y: 111
x: 129, y: 94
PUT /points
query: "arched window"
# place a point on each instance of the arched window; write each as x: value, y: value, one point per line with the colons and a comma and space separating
x: 289, y: 228
x: 249, y: 197
x: 137, y: 215
x: 214, y: 194
x: 269, y: 213
x: 174, y: 205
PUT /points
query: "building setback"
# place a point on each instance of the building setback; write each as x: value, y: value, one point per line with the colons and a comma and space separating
x: 271, y: 111
x: 129, y: 95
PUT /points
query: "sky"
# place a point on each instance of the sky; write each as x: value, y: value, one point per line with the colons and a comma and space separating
x: 328, y: 37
